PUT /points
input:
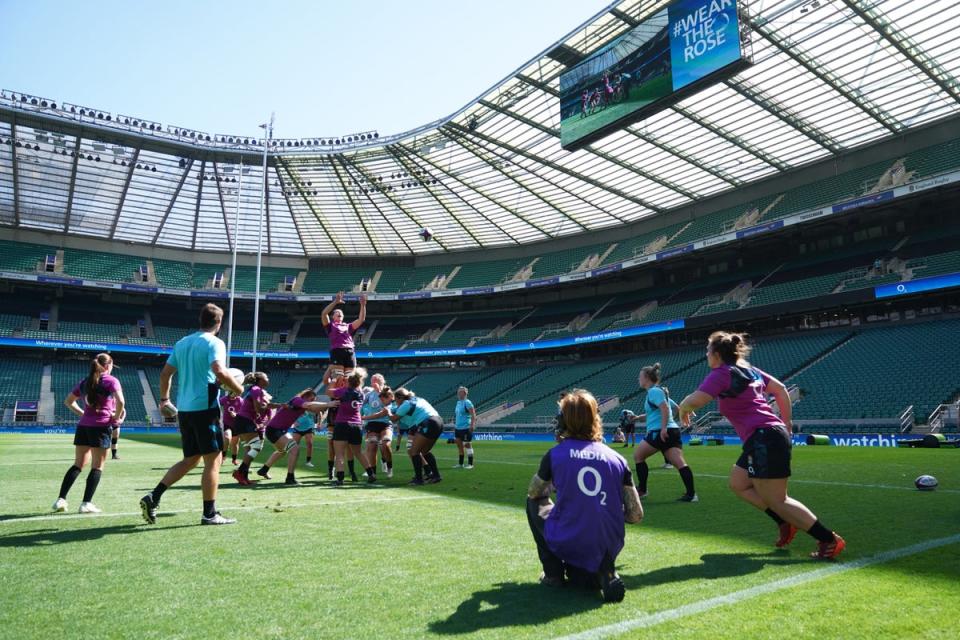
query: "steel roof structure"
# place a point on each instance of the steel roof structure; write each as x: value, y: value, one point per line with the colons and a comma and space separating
x: 828, y: 76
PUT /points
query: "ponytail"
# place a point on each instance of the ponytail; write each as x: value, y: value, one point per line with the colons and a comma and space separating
x: 652, y: 372
x: 98, y: 367
x: 731, y: 347
x: 255, y: 378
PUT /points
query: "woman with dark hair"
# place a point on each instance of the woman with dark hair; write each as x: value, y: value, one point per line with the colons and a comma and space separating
x: 578, y: 538
x: 347, y: 428
x: 102, y: 411
x: 425, y: 426
x: 663, y: 434
x: 760, y: 474
x: 279, y: 434
x: 249, y: 421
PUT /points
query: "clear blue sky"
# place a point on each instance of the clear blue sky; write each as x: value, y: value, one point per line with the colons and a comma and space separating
x: 326, y: 67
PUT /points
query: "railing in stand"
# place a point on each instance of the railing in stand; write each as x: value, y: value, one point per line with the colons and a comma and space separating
x: 703, y: 423
x: 907, y: 420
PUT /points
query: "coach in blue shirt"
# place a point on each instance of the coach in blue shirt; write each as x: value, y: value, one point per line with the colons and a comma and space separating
x: 200, y: 361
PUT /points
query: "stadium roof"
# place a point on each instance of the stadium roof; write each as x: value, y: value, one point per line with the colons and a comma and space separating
x: 828, y: 76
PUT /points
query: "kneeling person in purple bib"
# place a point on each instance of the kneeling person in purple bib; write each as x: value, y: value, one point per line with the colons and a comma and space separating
x: 579, y: 537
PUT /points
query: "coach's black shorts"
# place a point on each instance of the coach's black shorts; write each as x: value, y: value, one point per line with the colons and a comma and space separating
x: 766, y: 454
x: 673, y: 440
x: 275, y: 434
x: 463, y: 434
x: 200, y: 432
x: 347, y: 432
x: 376, y: 427
x: 431, y: 428
x: 242, y: 425
x: 346, y: 358
x: 98, y: 437
x: 629, y: 428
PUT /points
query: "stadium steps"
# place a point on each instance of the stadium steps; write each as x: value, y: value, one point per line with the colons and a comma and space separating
x: 816, y: 359
x: 555, y: 390
x: 498, y: 395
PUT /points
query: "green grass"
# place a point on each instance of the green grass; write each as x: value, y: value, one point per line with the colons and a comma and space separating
x: 456, y: 559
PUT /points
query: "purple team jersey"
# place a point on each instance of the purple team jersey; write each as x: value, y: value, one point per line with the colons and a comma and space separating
x: 741, y: 398
x: 287, y: 414
x: 253, y: 399
x: 228, y: 402
x: 587, y: 522
x: 100, y: 413
x: 341, y: 335
x: 351, y: 400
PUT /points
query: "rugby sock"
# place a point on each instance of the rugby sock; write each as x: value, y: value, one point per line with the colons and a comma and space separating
x: 432, y: 463
x: 642, y: 472
x: 209, y: 508
x: 417, y: 468
x: 773, y: 516
x: 308, y: 458
x: 93, y: 479
x: 461, y: 461
x: 687, y: 475
x: 329, y: 467
x: 340, y: 477
x: 291, y: 478
x: 820, y: 532
x: 244, y: 468
x: 157, y: 492
x: 113, y: 447
x: 352, y: 467
x: 470, y: 459
x: 371, y: 472
x: 390, y: 465
x: 68, y: 479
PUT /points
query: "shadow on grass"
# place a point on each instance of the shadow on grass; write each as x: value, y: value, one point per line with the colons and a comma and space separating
x: 713, y: 566
x: 49, y: 536
x: 510, y: 604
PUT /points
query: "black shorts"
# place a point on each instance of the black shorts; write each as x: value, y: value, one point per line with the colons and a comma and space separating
x: 629, y: 428
x: 376, y: 427
x: 242, y: 425
x: 463, y: 434
x: 200, y: 432
x: 274, y: 434
x: 673, y: 440
x: 402, y: 431
x: 766, y: 454
x: 431, y: 428
x: 347, y: 432
x: 98, y: 437
x: 305, y: 432
x: 346, y: 358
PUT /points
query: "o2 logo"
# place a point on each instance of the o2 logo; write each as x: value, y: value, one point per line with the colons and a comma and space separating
x: 596, y: 481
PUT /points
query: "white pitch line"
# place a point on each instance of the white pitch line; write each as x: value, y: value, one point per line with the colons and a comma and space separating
x: 653, y: 619
x: 324, y: 503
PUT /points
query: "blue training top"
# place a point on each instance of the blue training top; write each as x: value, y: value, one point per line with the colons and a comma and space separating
x: 462, y: 414
x: 656, y: 397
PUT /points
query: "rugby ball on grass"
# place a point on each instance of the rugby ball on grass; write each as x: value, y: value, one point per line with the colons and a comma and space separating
x: 925, y: 483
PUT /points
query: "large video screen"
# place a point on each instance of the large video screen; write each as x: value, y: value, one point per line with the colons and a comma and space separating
x: 685, y: 46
